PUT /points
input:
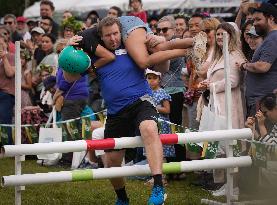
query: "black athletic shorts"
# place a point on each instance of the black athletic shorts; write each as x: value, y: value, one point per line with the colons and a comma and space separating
x: 126, y: 122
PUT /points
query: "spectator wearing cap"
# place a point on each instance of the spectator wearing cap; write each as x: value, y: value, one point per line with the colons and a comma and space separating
x: 36, y: 34
x: 31, y: 23
x: 36, y: 43
x: 263, y: 67
x: 46, y: 10
x: 114, y: 11
x: 244, y: 38
x: 254, y: 40
x: 181, y: 25
x: 10, y: 22
x: 21, y: 28
x: 161, y: 101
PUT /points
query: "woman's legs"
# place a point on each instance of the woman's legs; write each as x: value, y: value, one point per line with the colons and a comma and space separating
x: 135, y: 44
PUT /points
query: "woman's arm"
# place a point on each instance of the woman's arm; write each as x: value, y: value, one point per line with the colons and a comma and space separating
x: 234, y: 75
x: 165, y: 108
x: 28, y: 80
x: 9, y: 69
x: 261, y: 123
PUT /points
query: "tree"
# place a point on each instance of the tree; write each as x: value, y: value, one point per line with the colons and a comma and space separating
x: 15, y: 7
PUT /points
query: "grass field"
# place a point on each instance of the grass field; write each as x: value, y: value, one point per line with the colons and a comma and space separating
x: 93, y: 192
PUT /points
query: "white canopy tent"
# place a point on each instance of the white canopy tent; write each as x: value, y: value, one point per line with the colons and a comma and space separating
x: 81, y: 6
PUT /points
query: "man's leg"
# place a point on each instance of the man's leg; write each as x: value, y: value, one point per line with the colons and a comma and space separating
x: 114, y: 159
x: 153, y: 145
x: 154, y: 153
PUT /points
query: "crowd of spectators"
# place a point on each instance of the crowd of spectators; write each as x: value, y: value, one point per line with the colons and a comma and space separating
x: 186, y: 87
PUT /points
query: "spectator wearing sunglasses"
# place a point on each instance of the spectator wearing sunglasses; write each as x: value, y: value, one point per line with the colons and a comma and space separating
x: 171, y: 80
x: 5, y: 33
x: 10, y: 22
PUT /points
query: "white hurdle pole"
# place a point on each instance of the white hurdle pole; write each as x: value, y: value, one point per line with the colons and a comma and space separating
x: 18, y: 159
x: 228, y: 111
x: 124, y: 142
x: 105, y: 173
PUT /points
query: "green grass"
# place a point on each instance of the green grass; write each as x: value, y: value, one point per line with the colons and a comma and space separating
x: 92, y: 192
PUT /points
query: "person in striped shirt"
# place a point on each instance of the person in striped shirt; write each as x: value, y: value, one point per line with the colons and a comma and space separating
x: 268, y: 110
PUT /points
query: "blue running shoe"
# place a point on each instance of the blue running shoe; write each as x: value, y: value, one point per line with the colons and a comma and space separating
x: 120, y: 202
x: 157, y: 196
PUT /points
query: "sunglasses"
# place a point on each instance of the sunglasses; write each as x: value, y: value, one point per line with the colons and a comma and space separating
x: 8, y: 22
x: 164, y: 30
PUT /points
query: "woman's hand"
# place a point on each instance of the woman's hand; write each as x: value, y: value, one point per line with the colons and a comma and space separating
x: 204, y: 85
x: 260, y: 118
x: 152, y: 41
x: 240, y: 66
x: 3, y: 51
x: 250, y: 122
x: 74, y: 41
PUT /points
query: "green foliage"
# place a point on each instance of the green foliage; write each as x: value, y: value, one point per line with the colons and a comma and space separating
x: 73, y: 24
x: 15, y: 7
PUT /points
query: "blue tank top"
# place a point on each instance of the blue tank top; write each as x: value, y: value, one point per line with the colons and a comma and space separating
x: 122, y: 82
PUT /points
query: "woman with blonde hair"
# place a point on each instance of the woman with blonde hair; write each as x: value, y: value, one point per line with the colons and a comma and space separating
x: 216, y: 84
x: 215, y: 76
x: 208, y: 26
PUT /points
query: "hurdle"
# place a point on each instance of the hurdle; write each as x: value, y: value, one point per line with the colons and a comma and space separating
x: 124, y: 142
x: 125, y: 171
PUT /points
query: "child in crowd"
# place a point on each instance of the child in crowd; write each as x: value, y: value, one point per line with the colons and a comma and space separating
x: 137, y: 10
x: 161, y: 100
